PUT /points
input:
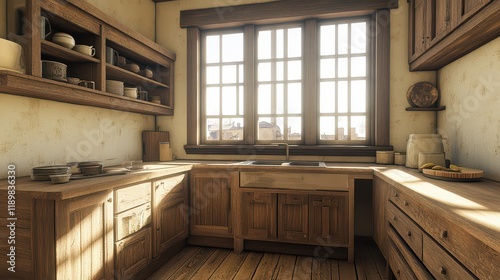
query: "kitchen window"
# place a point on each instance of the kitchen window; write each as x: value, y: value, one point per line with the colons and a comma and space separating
x: 314, y: 83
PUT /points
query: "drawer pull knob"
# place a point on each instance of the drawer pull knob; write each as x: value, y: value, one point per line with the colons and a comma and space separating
x: 398, y: 272
x: 395, y: 194
x: 444, y: 234
x: 442, y: 270
x: 406, y: 203
x: 408, y: 233
x: 110, y: 200
x: 394, y: 218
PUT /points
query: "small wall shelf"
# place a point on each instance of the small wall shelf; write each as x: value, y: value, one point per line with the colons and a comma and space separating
x: 439, y: 108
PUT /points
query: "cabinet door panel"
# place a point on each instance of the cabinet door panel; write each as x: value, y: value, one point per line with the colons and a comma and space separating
x: 293, y: 217
x: 133, y: 254
x: 84, y: 232
x: 259, y: 215
x: 379, y: 202
x: 467, y: 8
x: 418, y: 25
x: 329, y: 219
x: 439, y: 16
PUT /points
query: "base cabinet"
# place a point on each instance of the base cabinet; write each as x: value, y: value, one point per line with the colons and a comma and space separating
x: 258, y: 215
x: 210, y: 197
x: 133, y: 254
x: 171, y: 215
x: 329, y: 219
x: 380, y: 198
x: 293, y: 220
x: 84, y: 237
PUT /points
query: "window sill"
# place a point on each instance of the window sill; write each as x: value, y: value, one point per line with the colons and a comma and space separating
x: 320, y: 150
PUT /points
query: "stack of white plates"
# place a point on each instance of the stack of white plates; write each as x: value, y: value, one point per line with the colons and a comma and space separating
x: 42, y: 173
x: 115, y: 87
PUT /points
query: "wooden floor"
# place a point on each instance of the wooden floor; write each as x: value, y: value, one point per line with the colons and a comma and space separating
x: 212, y: 263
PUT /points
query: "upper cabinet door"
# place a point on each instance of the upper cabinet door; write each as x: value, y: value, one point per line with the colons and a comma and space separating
x: 438, y: 20
x: 467, y: 8
x: 418, y: 26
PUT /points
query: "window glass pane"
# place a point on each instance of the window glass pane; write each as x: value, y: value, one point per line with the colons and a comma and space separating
x: 327, y: 128
x: 342, y: 128
x: 358, y: 128
x: 232, y: 129
x: 264, y: 47
x: 280, y: 42
x: 280, y: 71
x: 343, y: 39
x: 241, y: 101
x: 358, y: 66
x: 294, y: 98
x: 213, y: 75
x: 229, y: 74
x: 342, y: 97
x: 270, y: 128
x: 280, y: 99
x: 212, y: 129
x: 264, y: 99
x: 212, y: 101
x: 229, y: 101
x: 358, y: 37
x: 327, y: 97
x: 295, y: 42
x: 213, y: 49
x: 358, y: 96
x: 294, y: 131
x: 327, y: 68
x: 241, y: 73
x: 294, y: 70
x: 264, y: 72
x: 343, y: 64
x: 327, y: 37
x: 232, y: 47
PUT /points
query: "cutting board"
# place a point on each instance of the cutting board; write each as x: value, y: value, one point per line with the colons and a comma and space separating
x: 466, y: 174
x: 422, y: 94
x: 151, y: 144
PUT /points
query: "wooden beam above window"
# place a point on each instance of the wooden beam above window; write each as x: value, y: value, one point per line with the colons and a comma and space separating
x: 279, y: 11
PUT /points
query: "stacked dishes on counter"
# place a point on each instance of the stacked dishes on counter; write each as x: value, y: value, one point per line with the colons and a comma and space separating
x: 115, y: 87
x: 43, y: 173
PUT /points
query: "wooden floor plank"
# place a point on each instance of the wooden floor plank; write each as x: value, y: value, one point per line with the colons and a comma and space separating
x: 379, y: 260
x: 284, y: 269
x: 193, y: 264
x: 335, y: 270
x: 230, y: 266
x: 303, y: 268
x: 211, y: 265
x: 321, y: 269
x: 366, y: 268
x: 346, y: 271
x: 249, y: 266
x: 266, y: 267
x: 172, y: 265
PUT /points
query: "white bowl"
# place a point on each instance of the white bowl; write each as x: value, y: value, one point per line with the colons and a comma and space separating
x: 64, y: 40
x: 130, y: 92
x: 11, y: 56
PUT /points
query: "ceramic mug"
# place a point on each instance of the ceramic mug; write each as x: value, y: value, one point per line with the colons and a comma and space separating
x: 44, y: 25
x: 111, y: 56
x: 88, y: 50
x: 87, y: 84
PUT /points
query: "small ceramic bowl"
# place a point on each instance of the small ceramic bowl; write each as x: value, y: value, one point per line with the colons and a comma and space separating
x: 54, y: 70
x: 130, y: 92
x: 11, y: 56
x: 60, y: 179
x: 64, y: 40
x: 73, y: 80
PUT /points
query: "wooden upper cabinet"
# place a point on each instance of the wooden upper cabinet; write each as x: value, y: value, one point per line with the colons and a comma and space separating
x: 293, y: 220
x: 210, y: 194
x: 329, y: 219
x: 258, y: 215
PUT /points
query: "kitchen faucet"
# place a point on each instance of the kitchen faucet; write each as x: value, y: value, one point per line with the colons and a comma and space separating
x: 286, y: 149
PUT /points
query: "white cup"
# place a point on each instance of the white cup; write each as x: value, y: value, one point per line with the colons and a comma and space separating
x: 88, y: 50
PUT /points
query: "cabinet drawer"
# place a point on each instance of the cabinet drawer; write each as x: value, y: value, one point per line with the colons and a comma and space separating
x: 133, y: 254
x: 171, y: 187
x: 441, y: 264
x: 131, y: 221
x: 398, y: 264
x: 294, y: 181
x: 406, y: 228
x: 132, y: 196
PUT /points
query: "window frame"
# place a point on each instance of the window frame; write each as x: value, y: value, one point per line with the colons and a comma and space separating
x: 379, y: 126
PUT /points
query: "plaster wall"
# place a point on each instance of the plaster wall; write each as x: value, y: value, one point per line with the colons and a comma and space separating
x: 470, y: 89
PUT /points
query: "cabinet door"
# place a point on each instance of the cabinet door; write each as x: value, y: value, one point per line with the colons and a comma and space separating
x: 171, y: 212
x: 438, y: 21
x: 465, y: 9
x: 329, y: 219
x: 84, y: 232
x: 258, y: 215
x: 293, y: 217
x: 133, y: 254
x: 379, y: 201
x: 418, y: 27
x: 210, y: 193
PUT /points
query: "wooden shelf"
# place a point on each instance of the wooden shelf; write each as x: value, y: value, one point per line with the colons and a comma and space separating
x: 117, y: 73
x: 439, y: 108
x: 29, y: 86
x: 55, y: 50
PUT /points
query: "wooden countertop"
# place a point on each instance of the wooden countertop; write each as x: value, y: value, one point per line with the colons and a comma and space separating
x: 473, y: 206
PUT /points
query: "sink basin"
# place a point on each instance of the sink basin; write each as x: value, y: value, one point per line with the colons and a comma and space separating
x: 287, y: 163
